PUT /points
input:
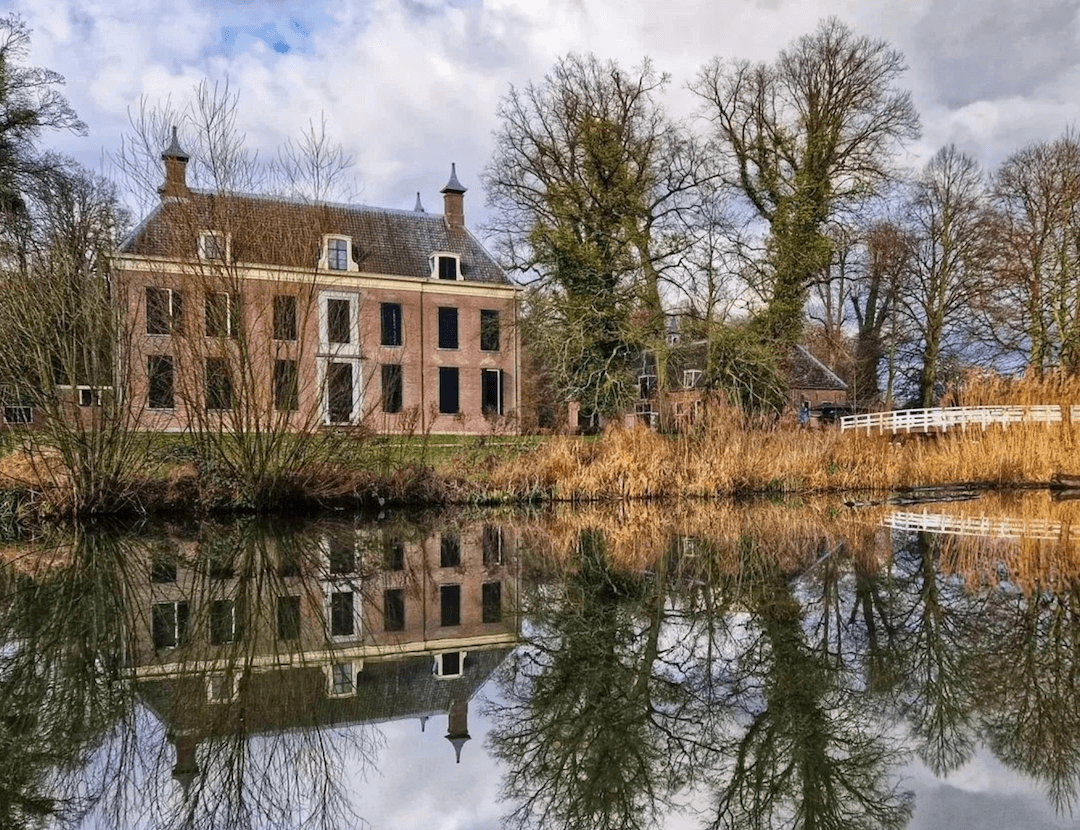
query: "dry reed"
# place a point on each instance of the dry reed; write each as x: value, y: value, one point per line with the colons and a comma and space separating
x: 728, y: 458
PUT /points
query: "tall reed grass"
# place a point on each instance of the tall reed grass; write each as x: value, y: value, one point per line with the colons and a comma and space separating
x: 729, y: 457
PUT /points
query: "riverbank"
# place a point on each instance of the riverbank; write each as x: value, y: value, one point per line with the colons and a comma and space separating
x: 723, y: 460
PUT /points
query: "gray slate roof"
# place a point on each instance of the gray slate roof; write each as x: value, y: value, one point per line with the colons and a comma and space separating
x: 296, y: 698
x: 281, y: 232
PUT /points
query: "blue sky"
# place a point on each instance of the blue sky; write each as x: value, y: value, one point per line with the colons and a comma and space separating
x: 407, y: 86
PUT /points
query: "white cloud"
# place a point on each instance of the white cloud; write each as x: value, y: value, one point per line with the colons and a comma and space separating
x: 411, y: 85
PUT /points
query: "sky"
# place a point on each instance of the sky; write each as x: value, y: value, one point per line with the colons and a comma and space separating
x: 409, y: 86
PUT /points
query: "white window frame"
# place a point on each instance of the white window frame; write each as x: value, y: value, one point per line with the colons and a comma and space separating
x: 323, y: 364
x: 324, y: 256
x: 232, y: 679
x: 341, y: 587
x: 690, y: 378
x: 324, y: 555
x: 433, y: 263
x: 352, y: 348
x: 232, y: 306
x: 437, y: 668
x: 356, y: 666
x: 178, y: 640
x: 171, y: 293
x: 499, y: 402
x: 222, y: 243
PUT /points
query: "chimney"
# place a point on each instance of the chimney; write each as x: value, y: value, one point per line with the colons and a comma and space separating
x: 454, y: 202
x: 175, y: 170
x: 458, y: 727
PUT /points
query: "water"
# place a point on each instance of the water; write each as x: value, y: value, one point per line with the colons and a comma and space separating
x: 763, y: 665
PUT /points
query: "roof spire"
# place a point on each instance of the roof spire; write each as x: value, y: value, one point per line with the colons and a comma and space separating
x: 453, y: 186
x: 174, y: 151
x: 419, y: 207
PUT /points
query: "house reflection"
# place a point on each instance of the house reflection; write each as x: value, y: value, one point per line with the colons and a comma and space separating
x: 335, y: 627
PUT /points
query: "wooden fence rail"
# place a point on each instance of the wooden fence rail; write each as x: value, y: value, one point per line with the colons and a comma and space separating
x: 943, y: 419
x: 1001, y: 528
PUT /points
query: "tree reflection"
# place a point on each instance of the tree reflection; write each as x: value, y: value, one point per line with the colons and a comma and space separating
x: 595, y: 730
x: 804, y: 751
x: 1030, y: 682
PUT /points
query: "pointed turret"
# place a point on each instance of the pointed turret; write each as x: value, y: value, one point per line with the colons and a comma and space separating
x: 176, y: 160
x: 458, y: 728
x: 454, y: 201
x: 419, y: 208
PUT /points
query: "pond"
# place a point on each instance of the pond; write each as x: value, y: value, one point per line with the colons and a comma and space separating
x: 684, y: 666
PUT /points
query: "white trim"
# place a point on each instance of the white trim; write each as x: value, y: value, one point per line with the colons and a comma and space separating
x: 437, y: 668
x: 435, y: 265
x: 324, y: 254
x: 352, y: 348
x: 223, y: 242
x: 330, y: 279
x: 343, y: 587
x: 233, y: 692
x: 322, y: 364
x: 355, y: 667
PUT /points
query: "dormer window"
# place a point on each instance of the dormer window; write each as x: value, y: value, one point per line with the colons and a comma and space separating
x: 449, y: 664
x: 337, y: 254
x: 445, y: 266
x: 213, y: 246
x: 691, y: 378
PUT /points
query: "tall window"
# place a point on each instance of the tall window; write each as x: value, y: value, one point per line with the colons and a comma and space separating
x: 394, y: 609
x: 448, y: 328
x: 224, y: 626
x: 339, y: 393
x: 393, y: 552
x: 491, y: 392
x: 391, y: 324
x: 219, y: 385
x: 286, y: 386
x: 338, y: 322
x: 391, y: 387
x: 449, y: 605
x: 337, y: 254
x: 288, y: 618
x: 449, y: 550
x: 491, y: 545
x: 491, y: 597
x: 489, y: 330
x: 222, y: 315
x: 342, y: 615
x: 285, y: 317
x: 164, y: 310
x: 448, y: 390
x: 169, y: 623
x: 159, y: 371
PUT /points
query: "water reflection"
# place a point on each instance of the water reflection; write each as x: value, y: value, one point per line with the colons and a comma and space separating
x: 747, y: 666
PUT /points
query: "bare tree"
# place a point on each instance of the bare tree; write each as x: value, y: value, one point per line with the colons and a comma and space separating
x: 1034, y: 311
x: 951, y: 254
x: 802, y: 137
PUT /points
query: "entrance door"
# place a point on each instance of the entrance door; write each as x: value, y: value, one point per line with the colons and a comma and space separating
x: 339, y: 393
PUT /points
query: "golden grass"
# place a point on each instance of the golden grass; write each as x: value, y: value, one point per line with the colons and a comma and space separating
x: 728, y: 458
x: 706, y: 536
x: 1033, y: 564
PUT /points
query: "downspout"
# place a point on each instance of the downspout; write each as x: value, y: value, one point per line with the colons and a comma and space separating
x: 517, y: 356
x: 423, y: 366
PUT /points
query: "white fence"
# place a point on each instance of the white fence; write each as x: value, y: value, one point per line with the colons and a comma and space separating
x: 946, y: 418
x: 1001, y: 528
